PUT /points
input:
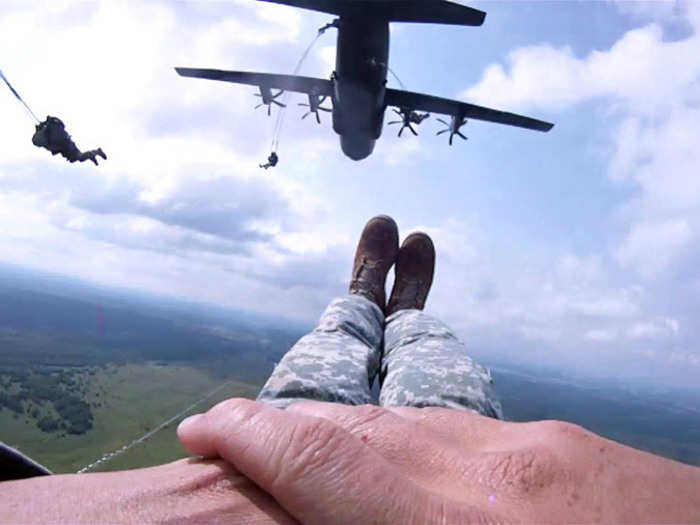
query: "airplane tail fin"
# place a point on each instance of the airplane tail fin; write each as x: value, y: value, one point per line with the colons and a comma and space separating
x: 421, y: 11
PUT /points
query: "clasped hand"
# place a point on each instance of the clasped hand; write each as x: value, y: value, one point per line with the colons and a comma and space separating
x: 328, y: 463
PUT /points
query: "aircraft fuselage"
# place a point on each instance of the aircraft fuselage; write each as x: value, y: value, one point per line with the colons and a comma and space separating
x: 362, y: 55
x: 358, y: 85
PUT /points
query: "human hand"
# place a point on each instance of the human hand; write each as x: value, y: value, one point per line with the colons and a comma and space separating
x: 329, y: 463
x: 186, y: 491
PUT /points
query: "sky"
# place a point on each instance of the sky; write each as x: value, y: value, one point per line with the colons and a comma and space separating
x: 576, y: 249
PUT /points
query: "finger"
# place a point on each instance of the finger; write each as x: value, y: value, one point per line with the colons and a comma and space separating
x: 316, y: 470
x: 197, y: 443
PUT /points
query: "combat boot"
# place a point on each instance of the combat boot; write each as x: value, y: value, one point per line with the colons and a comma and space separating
x: 376, y: 253
x: 415, y: 265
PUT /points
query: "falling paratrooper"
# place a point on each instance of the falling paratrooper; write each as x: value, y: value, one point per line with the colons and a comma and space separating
x: 51, y: 134
x: 272, y: 161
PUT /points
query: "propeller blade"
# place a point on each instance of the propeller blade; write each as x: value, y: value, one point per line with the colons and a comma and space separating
x: 327, y: 110
x: 259, y: 105
x: 395, y: 122
x: 443, y: 131
x: 445, y: 123
x: 401, y: 130
x: 460, y: 135
x: 412, y: 130
x: 318, y: 118
x: 279, y: 104
x: 304, y: 116
x: 269, y: 110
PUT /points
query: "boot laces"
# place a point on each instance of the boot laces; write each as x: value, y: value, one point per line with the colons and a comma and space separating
x: 361, y: 279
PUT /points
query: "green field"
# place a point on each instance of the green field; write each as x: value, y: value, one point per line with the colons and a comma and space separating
x: 127, y: 402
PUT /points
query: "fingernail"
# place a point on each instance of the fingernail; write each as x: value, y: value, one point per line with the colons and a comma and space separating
x: 188, y: 422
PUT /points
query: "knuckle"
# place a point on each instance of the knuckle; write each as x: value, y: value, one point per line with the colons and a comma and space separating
x: 376, y: 422
x: 561, y: 433
x: 360, y: 418
x: 224, y: 407
x: 366, y: 414
x: 231, y: 413
x: 311, y: 447
x: 523, y: 471
x: 304, y: 405
x: 427, y: 412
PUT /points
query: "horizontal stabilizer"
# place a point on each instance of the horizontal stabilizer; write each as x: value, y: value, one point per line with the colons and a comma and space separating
x: 445, y: 106
x: 425, y: 11
x: 309, y: 85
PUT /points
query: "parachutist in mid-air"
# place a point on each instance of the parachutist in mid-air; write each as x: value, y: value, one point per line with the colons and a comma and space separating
x: 272, y: 161
x: 52, y: 135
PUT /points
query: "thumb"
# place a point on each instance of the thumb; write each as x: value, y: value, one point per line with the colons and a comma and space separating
x: 317, y: 471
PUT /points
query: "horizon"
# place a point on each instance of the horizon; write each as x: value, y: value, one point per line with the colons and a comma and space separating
x: 67, y: 287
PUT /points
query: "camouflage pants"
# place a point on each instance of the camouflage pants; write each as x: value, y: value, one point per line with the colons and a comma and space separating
x: 419, y: 360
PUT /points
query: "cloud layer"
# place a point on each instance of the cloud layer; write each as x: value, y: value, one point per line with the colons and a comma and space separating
x: 646, y: 89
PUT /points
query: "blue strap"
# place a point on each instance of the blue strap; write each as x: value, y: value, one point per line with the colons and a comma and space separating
x: 17, y: 95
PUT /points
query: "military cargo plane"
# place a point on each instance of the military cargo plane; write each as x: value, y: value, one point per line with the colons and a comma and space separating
x: 357, y: 88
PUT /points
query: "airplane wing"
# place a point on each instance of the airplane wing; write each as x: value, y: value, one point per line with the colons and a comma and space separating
x: 425, y: 11
x: 431, y: 104
x: 298, y: 84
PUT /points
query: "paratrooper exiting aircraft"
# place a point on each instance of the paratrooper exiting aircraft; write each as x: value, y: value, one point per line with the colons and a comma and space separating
x: 357, y: 88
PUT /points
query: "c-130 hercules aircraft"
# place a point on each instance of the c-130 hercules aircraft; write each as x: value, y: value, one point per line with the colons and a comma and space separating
x: 357, y: 87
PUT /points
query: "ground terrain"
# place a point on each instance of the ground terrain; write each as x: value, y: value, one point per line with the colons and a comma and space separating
x: 133, y: 399
x: 85, y: 371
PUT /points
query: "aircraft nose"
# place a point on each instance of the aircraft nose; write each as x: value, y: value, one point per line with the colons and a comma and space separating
x: 356, y: 147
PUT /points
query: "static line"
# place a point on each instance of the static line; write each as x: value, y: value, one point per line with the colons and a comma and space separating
x: 280, y: 114
x: 18, y: 97
x: 396, y: 77
x: 112, y: 455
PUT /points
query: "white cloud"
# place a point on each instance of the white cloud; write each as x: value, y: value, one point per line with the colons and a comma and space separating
x: 266, y: 24
x: 399, y: 152
x: 476, y: 292
x: 579, y: 269
x: 645, y: 91
x: 662, y: 10
x: 653, y: 87
x: 641, y: 71
x: 684, y: 358
x: 657, y: 328
x: 651, y: 247
x: 598, y: 335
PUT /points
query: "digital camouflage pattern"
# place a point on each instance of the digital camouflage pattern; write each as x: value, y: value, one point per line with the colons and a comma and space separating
x: 423, y: 363
x: 337, y: 362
